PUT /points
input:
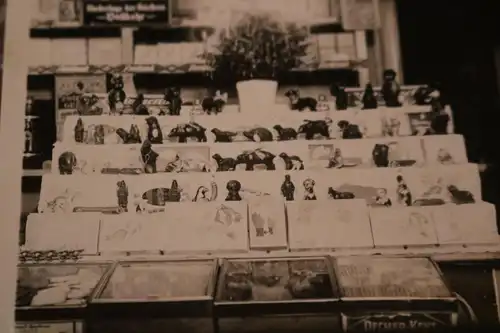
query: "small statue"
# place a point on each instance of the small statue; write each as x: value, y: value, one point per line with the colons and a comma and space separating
x: 292, y: 162
x: 404, y: 194
x: 233, y: 190
x: 122, y: 195
x: 28, y: 136
x: 285, y: 133
x: 116, y: 95
x: 315, y: 127
x: 223, y: 136
x: 201, y: 195
x: 349, y: 131
x: 323, y: 103
x: 300, y: 103
x: 134, y: 136
x: 390, y: 89
x: 382, y: 199
x: 224, y: 163
x: 341, y: 97
x: 337, y: 195
x: 155, y: 134
x: 138, y: 107
x: 288, y: 188
x: 174, y: 193
x: 309, y: 189
x: 444, y: 157
x: 148, y: 157
x: 79, y: 131
x: 173, y: 97
x: 197, y: 109
x: 380, y: 155
x: 258, y: 134
x: 336, y: 160
x: 214, y: 104
x: 99, y: 135
x: 369, y: 98
x: 439, y: 122
x: 67, y: 163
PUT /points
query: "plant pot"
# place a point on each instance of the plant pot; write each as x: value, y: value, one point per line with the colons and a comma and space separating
x: 257, y: 95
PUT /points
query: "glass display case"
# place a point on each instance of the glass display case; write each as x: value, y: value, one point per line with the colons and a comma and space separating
x: 393, y: 293
x: 54, y: 296
x: 153, y: 296
x: 276, y: 293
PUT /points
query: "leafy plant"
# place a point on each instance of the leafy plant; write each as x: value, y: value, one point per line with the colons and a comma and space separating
x: 257, y: 47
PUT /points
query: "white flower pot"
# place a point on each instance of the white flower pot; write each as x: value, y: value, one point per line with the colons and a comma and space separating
x: 257, y: 96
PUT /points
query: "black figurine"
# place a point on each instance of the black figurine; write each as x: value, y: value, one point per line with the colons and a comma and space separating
x: 174, y: 193
x: 404, y: 194
x: 79, y: 131
x: 214, y: 104
x: 67, y: 163
x: 300, y: 103
x: 173, y: 97
x: 369, y: 99
x: 258, y: 134
x: 116, y: 95
x: 288, y: 189
x: 460, y: 197
x: 312, y: 127
x: 131, y: 137
x: 138, y: 107
x: 337, y: 195
x: 390, y: 89
x: 256, y: 157
x: 309, y: 189
x: 380, y: 155
x: 292, y: 162
x: 341, y: 97
x: 349, y: 131
x: 122, y: 195
x: 285, y: 134
x: 148, y: 157
x: 190, y: 130
x: 233, y: 190
x: 224, y: 163
x: 223, y: 136
x: 154, y: 134
x: 439, y: 122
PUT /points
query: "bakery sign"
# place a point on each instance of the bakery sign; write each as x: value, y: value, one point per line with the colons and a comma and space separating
x: 401, y: 322
x: 125, y: 12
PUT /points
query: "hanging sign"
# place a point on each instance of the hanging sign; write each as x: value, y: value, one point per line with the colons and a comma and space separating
x: 125, y: 12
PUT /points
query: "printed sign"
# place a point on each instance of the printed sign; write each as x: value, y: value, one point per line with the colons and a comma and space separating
x: 49, y: 327
x: 401, y: 322
x: 128, y: 12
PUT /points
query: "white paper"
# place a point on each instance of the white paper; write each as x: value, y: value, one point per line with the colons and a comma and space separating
x: 105, y: 51
x: 267, y: 224
x: 69, y: 52
x: 41, y: 54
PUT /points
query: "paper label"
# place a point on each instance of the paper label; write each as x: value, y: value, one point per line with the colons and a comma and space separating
x: 401, y: 322
x: 50, y: 327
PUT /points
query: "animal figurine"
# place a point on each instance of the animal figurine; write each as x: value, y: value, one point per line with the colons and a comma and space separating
x: 380, y: 155
x: 99, y: 135
x: 233, y: 190
x: 258, y: 134
x: 174, y: 193
x: 341, y: 97
x: 122, y: 195
x: 336, y: 195
x: 67, y: 163
x: 349, y: 131
x: 444, y: 157
x: 300, y: 103
x: 369, y: 99
x: 288, y: 189
x: 322, y: 104
x: 148, y: 157
x: 315, y: 127
x: 439, y: 123
x: 223, y: 136
x: 173, y: 97
x: 308, y: 185
x: 460, y: 197
x: 381, y: 199
x: 285, y: 134
x: 422, y: 95
x: 189, y: 130
x: 390, y: 126
x: 390, y: 89
x: 214, y: 104
x: 336, y: 160
x: 138, y: 107
x: 79, y: 131
x: 201, y: 195
x: 292, y: 162
x: 154, y: 134
x: 224, y: 163
x: 116, y: 95
x: 256, y: 157
x: 404, y: 194
x: 131, y: 137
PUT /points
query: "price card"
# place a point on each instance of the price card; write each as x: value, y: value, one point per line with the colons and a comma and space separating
x: 50, y: 327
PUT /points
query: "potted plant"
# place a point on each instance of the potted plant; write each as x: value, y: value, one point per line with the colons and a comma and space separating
x: 253, y: 53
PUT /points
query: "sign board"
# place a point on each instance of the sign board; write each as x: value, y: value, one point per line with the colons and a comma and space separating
x: 400, y: 322
x: 128, y: 12
x: 49, y: 327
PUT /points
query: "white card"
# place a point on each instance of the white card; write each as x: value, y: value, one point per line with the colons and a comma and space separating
x: 145, y: 54
x: 267, y: 225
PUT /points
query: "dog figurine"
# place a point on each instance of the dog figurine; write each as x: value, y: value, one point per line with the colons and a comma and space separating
x: 349, y: 131
x: 223, y: 136
x: 298, y: 103
x: 315, y: 127
x: 214, y: 104
x: 224, y: 163
x: 292, y: 162
x: 258, y: 156
x: 336, y: 195
x: 154, y: 132
x: 285, y: 134
x: 369, y: 99
x: 173, y: 97
x: 390, y: 89
x: 341, y: 97
x: 189, y: 130
x: 258, y: 134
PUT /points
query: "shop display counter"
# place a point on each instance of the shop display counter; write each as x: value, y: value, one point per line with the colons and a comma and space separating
x: 54, y: 297
x: 394, y: 294
x: 285, y: 294
x: 155, y: 296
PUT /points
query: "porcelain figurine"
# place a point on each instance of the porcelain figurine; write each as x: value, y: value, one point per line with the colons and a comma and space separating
x: 122, y: 195
x: 285, y: 134
x: 131, y: 137
x: 323, y: 104
x: 138, y: 107
x: 196, y: 108
x: 292, y: 162
x: 460, y: 197
x: 223, y: 136
x: 224, y: 163
x: 99, y: 135
x: 256, y: 157
x: 298, y: 103
x: 214, y: 104
x: 380, y: 155
x: 315, y: 127
x: 148, y: 157
x: 369, y: 99
x: 439, y: 123
x: 258, y: 134
x: 382, y: 199
x: 390, y: 89
x: 116, y: 95
x: 288, y: 188
x: 336, y: 160
x: 233, y: 190
x: 67, y: 163
x: 79, y: 131
x: 174, y: 193
x: 173, y: 97
x: 309, y: 193
x: 390, y: 126
x: 154, y: 134
x: 341, y: 97
x: 404, y: 194
x: 189, y: 130
x: 348, y: 130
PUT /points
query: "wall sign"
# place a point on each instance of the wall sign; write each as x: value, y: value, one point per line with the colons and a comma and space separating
x: 125, y: 12
x: 401, y: 322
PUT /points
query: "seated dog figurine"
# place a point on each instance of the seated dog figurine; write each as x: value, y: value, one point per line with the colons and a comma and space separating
x: 300, y: 103
x: 349, y: 131
x: 258, y: 134
x: 390, y: 89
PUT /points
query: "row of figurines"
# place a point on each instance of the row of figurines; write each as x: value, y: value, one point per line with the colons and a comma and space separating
x: 156, y: 158
x: 434, y: 124
x: 155, y: 198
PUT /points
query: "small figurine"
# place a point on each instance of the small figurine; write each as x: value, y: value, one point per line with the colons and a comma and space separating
x: 285, y: 134
x: 382, y: 199
x: 369, y: 99
x: 292, y: 162
x: 349, y: 131
x: 421, y: 95
x: 224, y: 163
x: 116, y: 95
x: 174, y: 193
x: 336, y: 195
x: 460, y: 197
x: 138, y: 107
x: 148, y: 157
x: 313, y: 127
x: 288, y: 188
x: 233, y: 190
x: 201, y: 195
x: 196, y: 108
x: 341, y: 97
x: 98, y: 107
x: 223, y: 136
x: 309, y: 189
x: 122, y: 195
x: 214, y: 104
x: 79, y: 131
x: 444, y: 157
x: 28, y: 136
x: 336, y: 160
x: 256, y: 157
x: 391, y: 126
x: 155, y: 135
x: 99, y: 135
x: 258, y: 134
x: 189, y: 130
x: 130, y: 137
x: 67, y: 163
x: 390, y: 89
x: 380, y: 155
x: 300, y: 103
x: 404, y: 194
x: 323, y: 103
x: 173, y: 97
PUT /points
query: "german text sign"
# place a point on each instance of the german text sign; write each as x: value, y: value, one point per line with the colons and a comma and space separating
x: 126, y: 12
